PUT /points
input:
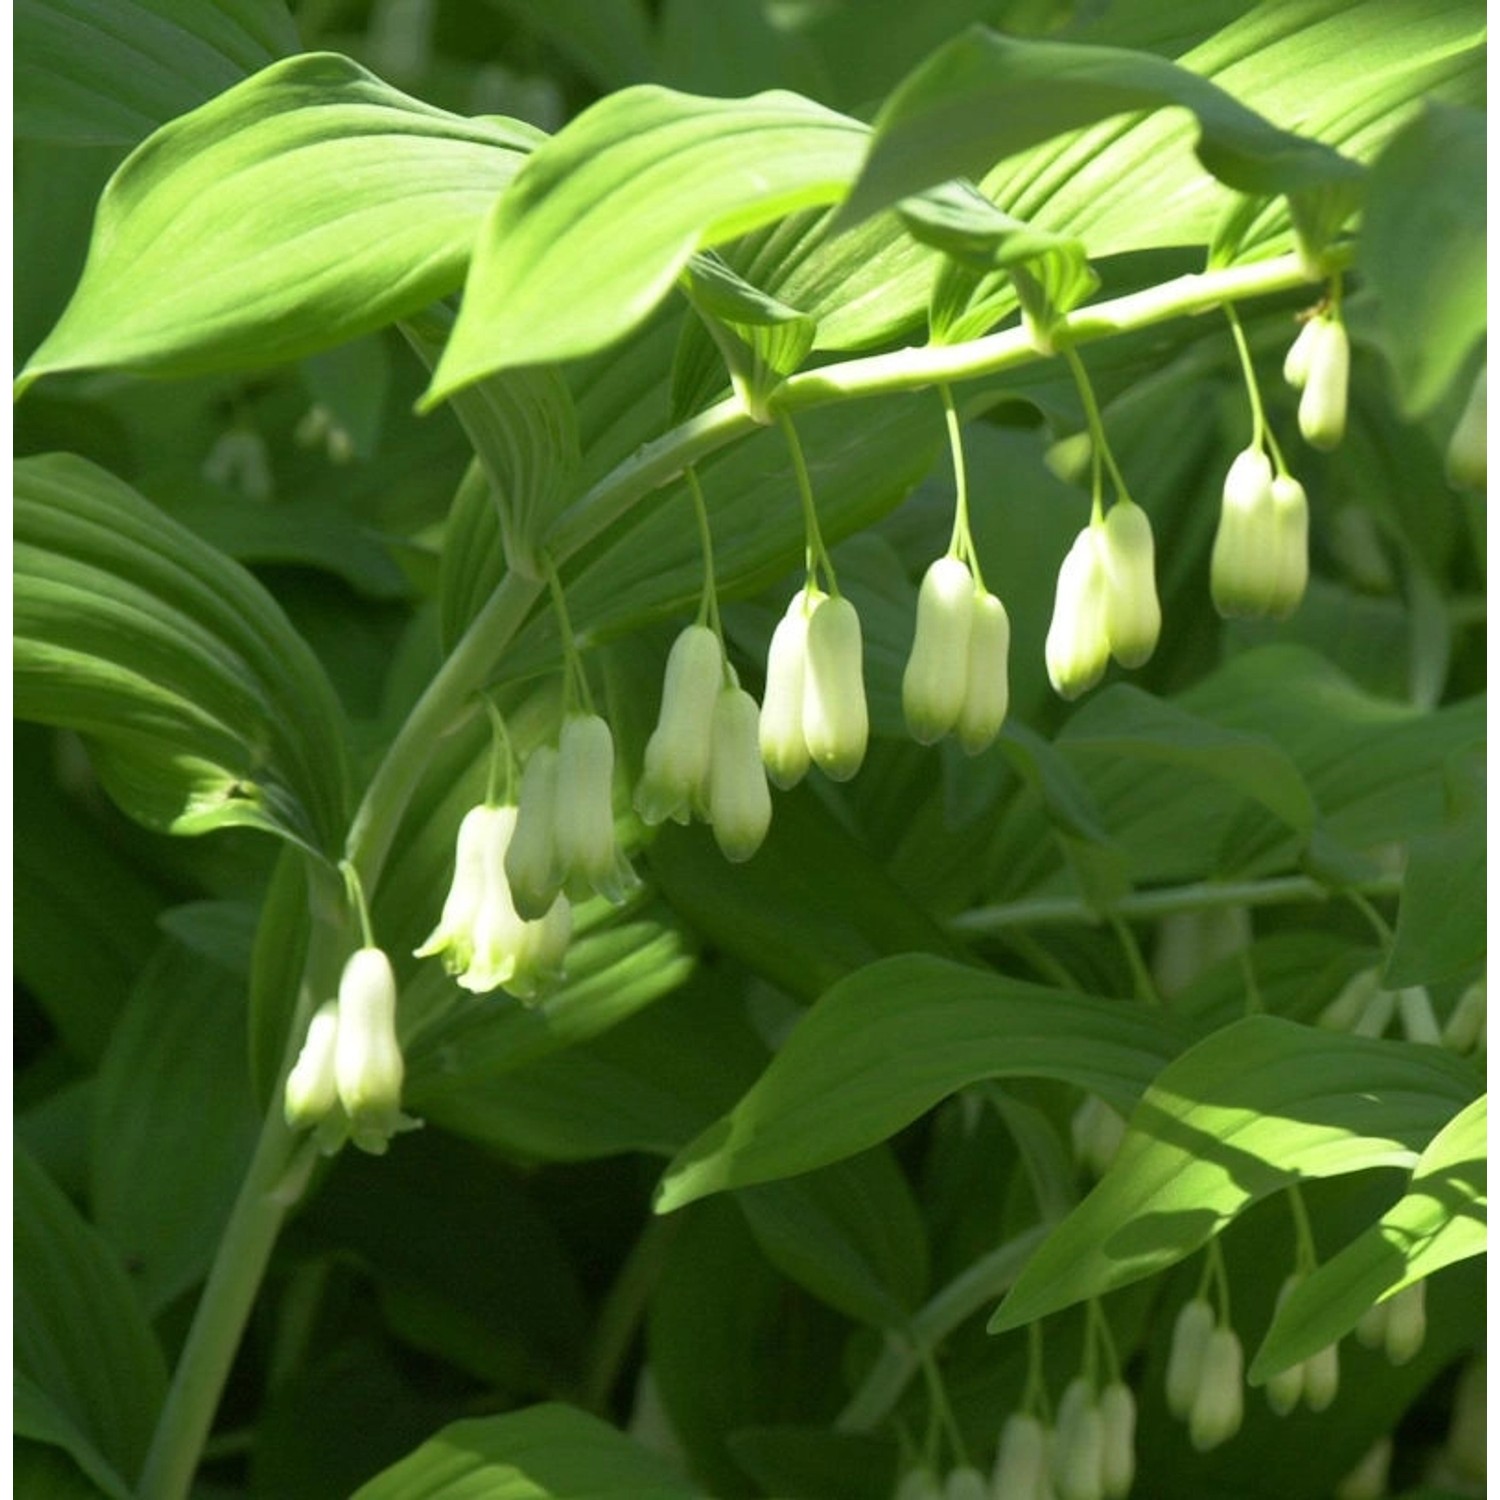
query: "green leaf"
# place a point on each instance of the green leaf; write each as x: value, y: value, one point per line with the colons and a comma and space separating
x: 887, y: 1043
x: 592, y: 235
x: 1124, y: 722
x: 550, y: 1452
x: 111, y: 71
x: 985, y: 97
x: 1441, y: 929
x: 303, y: 207
x: 1244, y: 1113
x: 524, y: 429
x: 204, y: 708
x: 760, y: 339
x: 851, y: 1234
x: 1423, y: 246
x: 1440, y: 1219
x: 35, y: 1416
x: 82, y: 1343
x: 174, y: 1122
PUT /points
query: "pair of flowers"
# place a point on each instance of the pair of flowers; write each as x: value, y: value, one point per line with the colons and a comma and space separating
x: 1106, y: 603
x: 703, y: 758
x: 346, y: 1082
x: 1088, y: 1455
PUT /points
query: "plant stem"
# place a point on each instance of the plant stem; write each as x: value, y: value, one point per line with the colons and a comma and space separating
x: 1278, y: 890
x: 901, y: 1359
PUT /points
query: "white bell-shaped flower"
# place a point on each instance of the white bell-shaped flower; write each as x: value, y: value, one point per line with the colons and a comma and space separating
x: 783, y: 746
x: 1294, y: 367
x: 835, y: 720
x: 1117, y: 1413
x: 1320, y: 1378
x: 533, y: 871
x: 584, y: 824
x: 675, y: 778
x: 1021, y: 1460
x: 1132, y: 612
x: 1323, y: 409
x: 1190, y: 1334
x: 1406, y: 1324
x: 935, y: 683
x: 1289, y: 528
x: 987, y: 692
x: 311, y: 1088
x: 1078, y: 1466
x: 1219, y: 1403
x: 966, y: 1484
x: 739, y: 801
x: 1077, y: 647
x: 1246, y: 561
x: 367, y: 1063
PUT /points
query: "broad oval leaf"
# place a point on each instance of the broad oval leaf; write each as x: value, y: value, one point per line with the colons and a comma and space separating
x: 551, y: 1452
x: 985, y: 97
x: 1247, y: 1111
x: 593, y: 233
x: 81, y: 1339
x: 110, y: 71
x: 1423, y: 247
x: 1440, y: 1219
x: 307, y: 205
x: 887, y: 1043
x: 204, y: 708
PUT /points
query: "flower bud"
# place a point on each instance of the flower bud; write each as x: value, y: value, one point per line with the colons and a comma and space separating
x: 1367, y: 1479
x: 1377, y: 1014
x: 311, y: 1088
x: 1219, y: 1404
x: 739, y: 801
x: 1132, y: 613
x: 1320, y: 1377
x: 367, y: 1064
x: 937, y: 673
x: 1468, y: 1431
x: 1289, y: 528
x: 585, y: 815
x: 1342, y: 1013
x: 1466, y: 1020
x: 1465, y: 462
x: 783, y: 746
x: 1190, y: 1333
x: 1370, y: 1330
x: 1418, y: 1024
x: 677, y: 754
x: 1078, y: 1468
x: 1097, y: 1130
x: 1325, y: 395
x: 533, y: 870
x: 966, y: 1484
x: 1246, y: 563
x: 835, y: 721
x: 1021, y: 1462
x: 1406, y: 1327
x: 987, y: 693
x: 919, y: 1484
x: 1294, y: 367
x: 1078, y: 639
x: 1284, y: 1388
x: 1117, y: 1413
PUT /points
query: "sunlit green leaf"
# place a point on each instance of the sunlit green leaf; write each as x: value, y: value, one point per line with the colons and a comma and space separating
x: 1247, y: 1111
x: 890, y: 1041
x: 307, y: 205
x: 549, y: 1452
x: 594, y: 233
x: 1441, y: 1218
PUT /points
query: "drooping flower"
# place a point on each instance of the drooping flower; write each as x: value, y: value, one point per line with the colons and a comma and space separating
x: 1078, y: 1466
x: 1324, y: 405
x: 835, y: 721
x: 935, y: 684
x: 1117, y: 1413
x: 1021, y: 1460
x: 1132, y: 612
x: 367, y: 1063
x: 1077, y: 648
x: 1218, y: 1405
x: 481, y: 938
x: 1190, y: 1333
x: 783, y: 746
x: 584, y: 825
x: 533, y: 871
x: 311, y: 1088
x: 987, y: 692
x: 675, y: 779
x: 739, y: 801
